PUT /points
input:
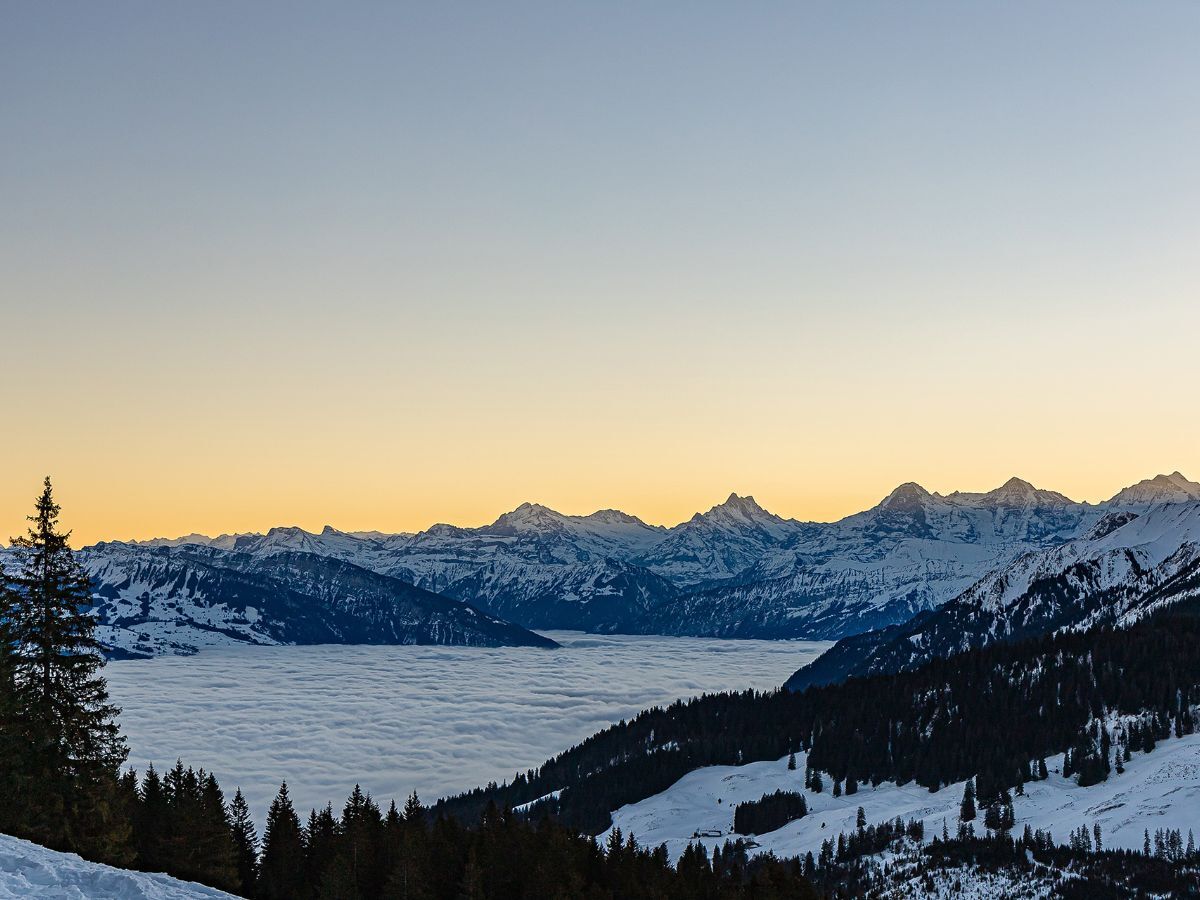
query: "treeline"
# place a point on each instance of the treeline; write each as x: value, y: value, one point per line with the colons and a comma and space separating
x: 994, y: 713
x: 850, y: 866
x: 769, y: 812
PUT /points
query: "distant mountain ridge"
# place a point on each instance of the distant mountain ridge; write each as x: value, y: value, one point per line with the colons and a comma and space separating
x: 176, y: 600
x: 1128, y: 565
x: 736, y: 570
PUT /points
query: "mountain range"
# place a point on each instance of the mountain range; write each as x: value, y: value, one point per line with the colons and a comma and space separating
x: 1128, y: 565
x: 736, y: 570
x: 154, y: 600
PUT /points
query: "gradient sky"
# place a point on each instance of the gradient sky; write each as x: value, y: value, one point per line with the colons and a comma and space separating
x: 381, y: 265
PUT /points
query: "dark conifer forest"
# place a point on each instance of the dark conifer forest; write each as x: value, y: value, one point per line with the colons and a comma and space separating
x: 769, y: 812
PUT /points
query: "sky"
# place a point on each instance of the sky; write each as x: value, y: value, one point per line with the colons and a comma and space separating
x: 383, y: 265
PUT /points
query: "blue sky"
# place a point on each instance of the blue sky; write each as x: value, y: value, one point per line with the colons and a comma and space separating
x: 562, y: 248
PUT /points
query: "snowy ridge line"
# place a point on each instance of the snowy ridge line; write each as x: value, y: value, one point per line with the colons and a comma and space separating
x: 1125, y: 567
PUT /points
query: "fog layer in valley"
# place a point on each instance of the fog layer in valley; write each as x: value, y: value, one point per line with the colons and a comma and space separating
x: 432, y: 719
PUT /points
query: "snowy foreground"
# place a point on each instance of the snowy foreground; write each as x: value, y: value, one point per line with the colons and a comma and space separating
x: 1157, y: 790
x: 27, y: 870
x: 396, y: 719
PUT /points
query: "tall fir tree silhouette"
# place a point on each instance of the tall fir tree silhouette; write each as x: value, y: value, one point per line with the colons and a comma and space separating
x: 76, y: 749
x: 281, y: 868
x: 245, y: 844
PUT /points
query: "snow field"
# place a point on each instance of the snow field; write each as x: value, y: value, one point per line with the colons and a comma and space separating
x: 28, y: 870
x: 1157, y: 790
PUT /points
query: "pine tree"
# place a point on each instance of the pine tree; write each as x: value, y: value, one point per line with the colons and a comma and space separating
x: 214, y: 837
x: 792, y: 761
x: 414, y: 812
x: 966, y: 810
x: 861, y: 821
x: 320, y: 843
x: 150, y: 824
x: 76, y: 749
x: 245, y: 844
x: 281, y: 870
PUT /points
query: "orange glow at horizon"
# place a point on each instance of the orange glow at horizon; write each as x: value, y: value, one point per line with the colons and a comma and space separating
x: 96, y: 511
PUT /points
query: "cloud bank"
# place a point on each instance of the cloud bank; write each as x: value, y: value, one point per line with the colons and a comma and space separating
x: 395, y: 719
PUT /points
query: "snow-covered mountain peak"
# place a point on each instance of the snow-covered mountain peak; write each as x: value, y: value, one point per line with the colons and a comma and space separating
x: 739, y: 511
x: 1173, y: 488
x: 616, y: 517
x: 531, y: 516
x: 1020, y: 493
x: 906, y: 497
x: 279, y: 532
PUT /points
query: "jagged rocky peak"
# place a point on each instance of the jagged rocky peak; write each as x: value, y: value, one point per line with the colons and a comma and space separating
x: 1173, y: 488
x: 907, y: 497
x: 737, y: 510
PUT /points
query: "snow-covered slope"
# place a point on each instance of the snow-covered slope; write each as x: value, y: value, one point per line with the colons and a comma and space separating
x: 152, y: 600
x: 1157, y: 790
x: 28, y: 870
x: 1126, y: 565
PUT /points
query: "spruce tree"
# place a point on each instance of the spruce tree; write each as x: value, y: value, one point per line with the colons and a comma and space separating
x: 966, y: 810
x: 414, y: 812
x: 151, y: 824
x: 245, y: 844
x: 214, y: 837
x: 76, y: 749
x: 281, y: 870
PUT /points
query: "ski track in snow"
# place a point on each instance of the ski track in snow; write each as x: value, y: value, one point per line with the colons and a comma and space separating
x: 27, y: 870
x: 1160, y: 789
x: 437, y: 720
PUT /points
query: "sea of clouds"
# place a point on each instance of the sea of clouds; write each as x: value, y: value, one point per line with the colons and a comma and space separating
x: 437, y: 720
